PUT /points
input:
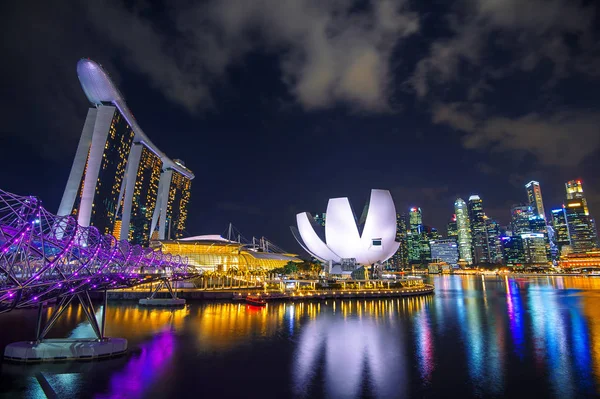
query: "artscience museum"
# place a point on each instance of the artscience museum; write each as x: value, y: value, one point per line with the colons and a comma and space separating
x: 345, y: 241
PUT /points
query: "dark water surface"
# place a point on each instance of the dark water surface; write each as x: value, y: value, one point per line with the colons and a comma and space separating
x: 476, y: 337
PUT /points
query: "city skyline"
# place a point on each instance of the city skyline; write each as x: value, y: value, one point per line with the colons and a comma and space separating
x: 281, y: 124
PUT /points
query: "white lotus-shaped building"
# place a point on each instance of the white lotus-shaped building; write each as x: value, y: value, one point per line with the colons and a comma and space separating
x: 370, y: 241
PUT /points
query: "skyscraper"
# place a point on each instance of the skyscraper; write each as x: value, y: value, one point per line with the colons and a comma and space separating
x: 512, y: 249
x: 120, y: 181
x: 581, y: 235
x: 535, y: 251
x: 427, y: 235
x: 464, y: 235
x: 520, y: 215
x: 400, y: 258
x: 574, y: 190
x: 534, y: 195
x: 478, y: 230
x: 493, y: 241
x: 451, y: 228
x: 415, y: 220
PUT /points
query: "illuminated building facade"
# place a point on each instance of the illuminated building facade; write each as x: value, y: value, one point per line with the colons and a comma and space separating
x: 445, y: 251
x: 140, y: 202
x: 520, y: 215
x: 464, y: 233
x: 535, y: 251
x: 217, y: 254
x: 478, y: 226
x: 581, y: 260
x: 120, y: 182
x: 452, y: 229
x: 512, y: 248
x: 493, y: 241
x: 581, y: 234
x: 534, y: 195
x: 414, y: 235
x: 574, y: 189
x: 400, y: 258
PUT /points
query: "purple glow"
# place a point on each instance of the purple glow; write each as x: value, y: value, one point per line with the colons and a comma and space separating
x: 143, y: 370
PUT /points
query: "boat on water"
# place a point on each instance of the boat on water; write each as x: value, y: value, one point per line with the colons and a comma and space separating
x: 255, y: 300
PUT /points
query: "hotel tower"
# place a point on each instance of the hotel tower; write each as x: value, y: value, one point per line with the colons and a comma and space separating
x: 120, y: 182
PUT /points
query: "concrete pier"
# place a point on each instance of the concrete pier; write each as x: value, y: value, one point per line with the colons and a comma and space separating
x: 52, y: 350
x: 168, y: 302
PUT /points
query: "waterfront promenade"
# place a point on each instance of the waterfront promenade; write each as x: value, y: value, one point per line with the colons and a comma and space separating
x: 228, y: 294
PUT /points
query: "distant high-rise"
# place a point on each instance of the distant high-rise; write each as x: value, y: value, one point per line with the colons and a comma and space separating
x: 464, y: 235
x: 452, y: 229
x: 478, y: 230
x: 120, y: 182
x: 320, y: 218
x: 512, y: 249
x: 427, y: 235
x: 520, y: 215
x: 535, y: 251
x: 400, y: 258
x: 445, y: 251
x: 493, y: 241
x: 415, y: 221
x: 574, y: 190
x: 581, y: 233
x: 534, y: 195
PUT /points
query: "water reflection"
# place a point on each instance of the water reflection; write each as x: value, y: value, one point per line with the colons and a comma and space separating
x: 355, y: 352
x: 476, y: 337
x: 143, y: 370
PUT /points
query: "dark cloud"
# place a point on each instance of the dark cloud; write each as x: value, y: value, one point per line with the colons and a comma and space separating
x: 328, y: 51
x: 563, y: 139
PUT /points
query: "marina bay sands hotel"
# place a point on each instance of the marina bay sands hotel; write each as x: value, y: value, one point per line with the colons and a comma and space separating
x: 120, y: 182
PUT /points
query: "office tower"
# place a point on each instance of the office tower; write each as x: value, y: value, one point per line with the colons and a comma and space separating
x: 520, y: 215
x: 139, y: 203
x: 537, y: 226
x: 561, y: 230
x: 120, y: 180
x: 478, y: 230
x: 574, y: 190
x: 512, y: 249
x: 582, y: 238
x: 493, y: 241
x: 451, y: 229
x: 415, y: 221
x: 464, y: 234
x: 534, y: 195
x: 400, y: 258
x: 445, y: 251
x: 535, y: 251
x: 427, y: 234
x: 174, y: 214
x: 320, y: 218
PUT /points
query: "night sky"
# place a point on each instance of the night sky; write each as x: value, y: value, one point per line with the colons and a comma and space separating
x: 278, y: 105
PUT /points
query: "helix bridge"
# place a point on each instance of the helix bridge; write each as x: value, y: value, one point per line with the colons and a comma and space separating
x: 45, y: 258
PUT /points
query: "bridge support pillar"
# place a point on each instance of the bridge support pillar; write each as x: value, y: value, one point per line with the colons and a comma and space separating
x: 172, y: 301
x: 43, y: 349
